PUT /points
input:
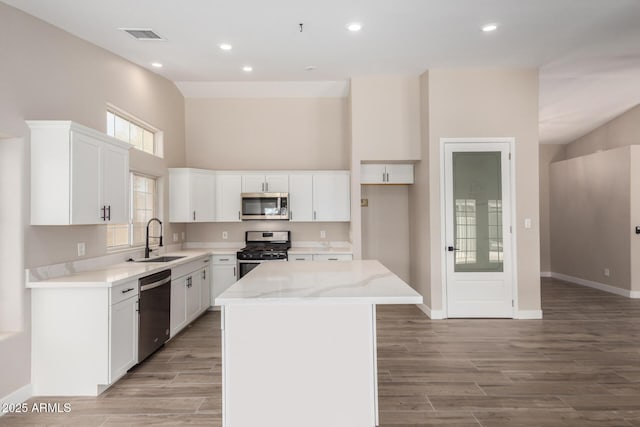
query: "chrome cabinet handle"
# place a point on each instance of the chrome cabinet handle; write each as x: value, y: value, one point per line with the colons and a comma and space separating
x: 194, y: 215
x: 234, y: 272
x: 314, y: 215
x: 109, y: 212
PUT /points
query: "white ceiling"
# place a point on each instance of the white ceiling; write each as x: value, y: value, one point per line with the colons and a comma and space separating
x: 587, y: 50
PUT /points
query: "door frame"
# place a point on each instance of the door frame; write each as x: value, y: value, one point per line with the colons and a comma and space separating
x: 443, y: 218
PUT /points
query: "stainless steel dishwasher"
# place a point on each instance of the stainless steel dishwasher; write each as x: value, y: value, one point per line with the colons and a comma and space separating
x: 154, y: 312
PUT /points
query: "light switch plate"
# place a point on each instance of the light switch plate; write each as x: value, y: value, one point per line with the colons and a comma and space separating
x: 175, y: 237
x: 323, y: 234
x: 527, y: 223
x: 225, y: 235
x: 82, y: 249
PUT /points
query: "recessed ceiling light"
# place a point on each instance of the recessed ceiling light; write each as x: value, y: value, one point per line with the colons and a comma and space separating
x: 489, y: 27
x: 225, y: 46
x: 156, y: 65
x: 310, y: 68
x: 354, y: 27
x: 247, y: 69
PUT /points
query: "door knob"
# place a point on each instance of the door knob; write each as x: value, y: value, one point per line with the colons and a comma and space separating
x: 451, y: 248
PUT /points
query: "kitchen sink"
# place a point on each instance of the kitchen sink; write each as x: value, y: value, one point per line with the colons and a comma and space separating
x: 161, y: 259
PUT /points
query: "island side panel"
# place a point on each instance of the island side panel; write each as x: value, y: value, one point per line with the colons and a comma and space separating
x: 299, y: 364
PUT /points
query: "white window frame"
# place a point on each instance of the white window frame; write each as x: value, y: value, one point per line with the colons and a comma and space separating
x: 158, y: 146
x: 130, y: 244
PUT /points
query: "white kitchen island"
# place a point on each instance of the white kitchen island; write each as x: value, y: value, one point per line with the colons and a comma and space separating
x: 299, y: 343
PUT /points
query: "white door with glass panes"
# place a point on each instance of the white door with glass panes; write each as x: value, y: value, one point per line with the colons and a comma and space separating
x: 478, y: 251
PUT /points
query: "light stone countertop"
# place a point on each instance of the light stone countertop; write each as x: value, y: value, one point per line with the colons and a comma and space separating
x: 116, y: 274
x: 327, y: 282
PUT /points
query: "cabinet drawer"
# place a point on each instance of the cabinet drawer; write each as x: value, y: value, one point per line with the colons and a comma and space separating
x: 224, y: 259
x: 124, y: 291
x: 300, y: 257
x: 328, y: 257
x: 184, y: 269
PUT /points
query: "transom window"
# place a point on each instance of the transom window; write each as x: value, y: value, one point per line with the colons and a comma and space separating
x: 144, y: 202
x: 127, y: 129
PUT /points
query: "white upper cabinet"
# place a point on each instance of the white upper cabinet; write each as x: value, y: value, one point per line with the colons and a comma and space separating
x: 331, y: 196
x: 386, y: 174
x: 385, y: 117
x: 261, y: 183
x: 228, y: 197
x: 192, y: 195
x: 320, y: 197
x: 78, y: 175
x: 301, y: 197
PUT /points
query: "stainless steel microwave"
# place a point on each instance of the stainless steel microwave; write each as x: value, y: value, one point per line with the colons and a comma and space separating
x: 265, y: 206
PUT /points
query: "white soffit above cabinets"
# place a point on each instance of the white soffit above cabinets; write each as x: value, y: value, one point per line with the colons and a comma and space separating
x: 397, y: 37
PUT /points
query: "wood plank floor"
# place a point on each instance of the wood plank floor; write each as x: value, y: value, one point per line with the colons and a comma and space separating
x: 580, y: 366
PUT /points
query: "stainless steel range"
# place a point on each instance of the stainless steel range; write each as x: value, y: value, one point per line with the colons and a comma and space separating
x: 263, y: 246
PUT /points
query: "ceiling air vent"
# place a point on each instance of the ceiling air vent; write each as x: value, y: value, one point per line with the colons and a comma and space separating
x: 142, y: 33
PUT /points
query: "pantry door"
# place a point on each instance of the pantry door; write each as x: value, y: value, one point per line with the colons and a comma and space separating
x: 478, y: 251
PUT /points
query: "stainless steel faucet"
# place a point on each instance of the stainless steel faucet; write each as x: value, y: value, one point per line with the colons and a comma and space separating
x: 146, y: 246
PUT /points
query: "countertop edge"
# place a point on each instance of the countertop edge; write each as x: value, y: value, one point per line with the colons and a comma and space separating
x: 323, y: 300
x: 87, y: 284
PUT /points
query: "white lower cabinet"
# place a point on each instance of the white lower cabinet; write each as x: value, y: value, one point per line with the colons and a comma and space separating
x: 178, y: 305
x: 83, y: 338
x: 123, y: 337
x: 186, y: 293
x: 224, y: 274
x: 332, y: 257
x: 205, y: 288
x: 301, y: 257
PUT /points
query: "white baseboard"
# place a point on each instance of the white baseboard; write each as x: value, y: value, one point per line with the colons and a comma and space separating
x: 432, y: 314
x: 546, y: 274
x: 17, y: 397
x: 597, y: 285
x: 528, y: 314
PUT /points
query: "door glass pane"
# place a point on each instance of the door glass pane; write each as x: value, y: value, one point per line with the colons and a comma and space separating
x: 477, y: 198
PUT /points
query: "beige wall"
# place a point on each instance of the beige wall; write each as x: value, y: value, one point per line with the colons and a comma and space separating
x: 590, y: 221
x: 267, y: 133
x: 300, y: 231
x: 619, y: 132
x: 548, y: 154
x: 385, y: 115
x: 270, y: 133
x: 385, y: 227
x: 488, y: 103
x: 419, y: 206
x: 47, y: 73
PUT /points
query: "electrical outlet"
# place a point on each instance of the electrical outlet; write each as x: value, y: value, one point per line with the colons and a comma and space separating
x: 607, y: 273
x: 323, y: 234
x: 175, y: 237
x: 81, y: 248
x: 225, y: 235
x: 183, y: 235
